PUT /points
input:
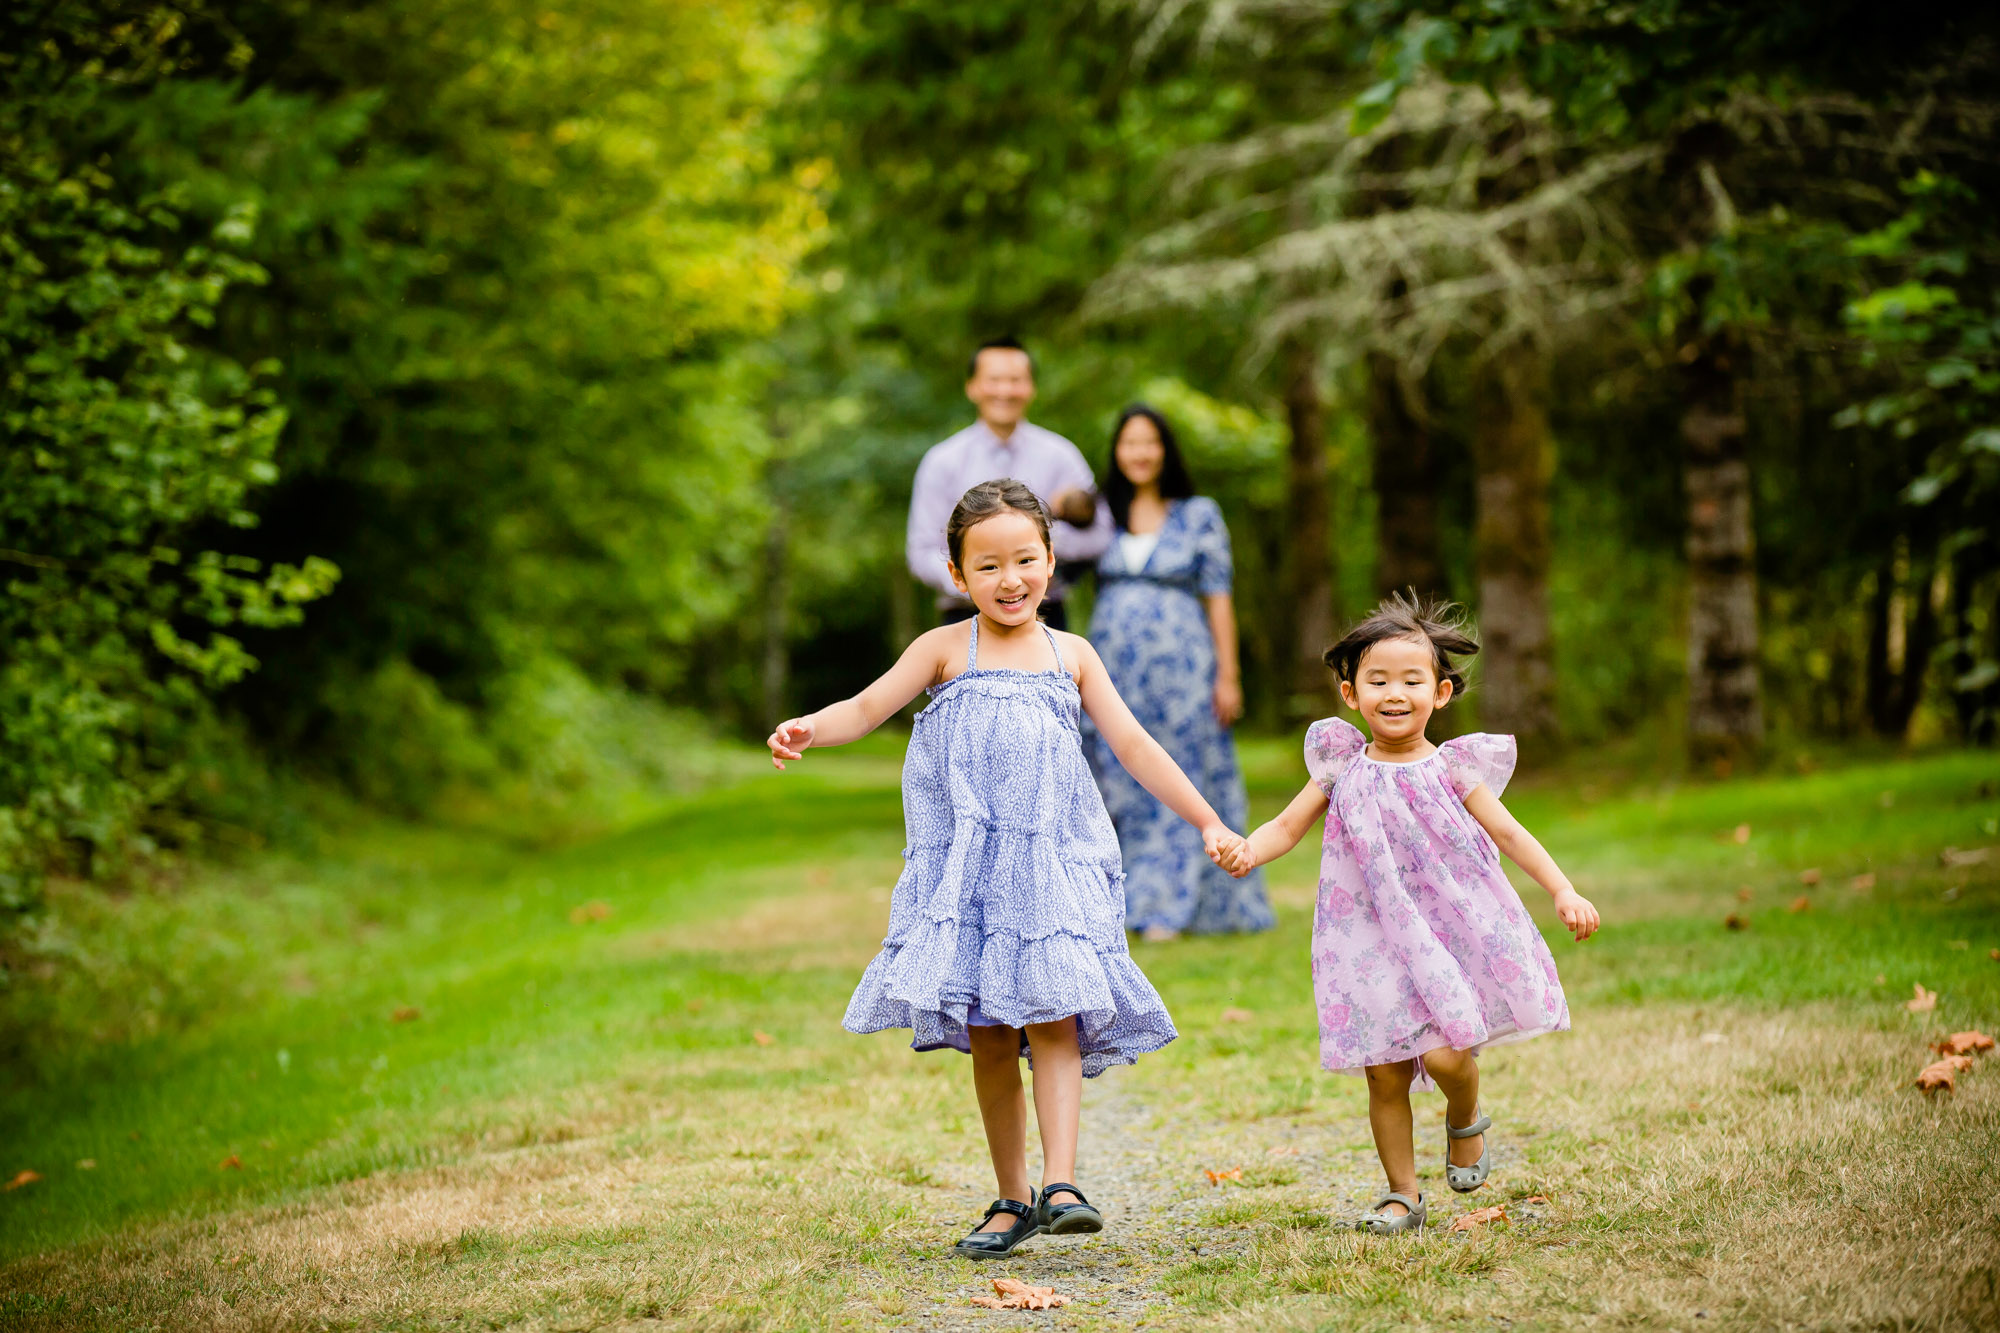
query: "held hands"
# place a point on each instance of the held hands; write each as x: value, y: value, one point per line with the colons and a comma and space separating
x: 790, y: 740
x: 1228, y: 850
x: 1577, y: 915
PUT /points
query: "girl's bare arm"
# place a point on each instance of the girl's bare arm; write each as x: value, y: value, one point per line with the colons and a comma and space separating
x: 849, y: 720
x: 1520, y: 847
x: 1279, y: 835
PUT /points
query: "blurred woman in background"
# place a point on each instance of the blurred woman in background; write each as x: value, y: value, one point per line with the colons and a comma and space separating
x: 1165, y: 626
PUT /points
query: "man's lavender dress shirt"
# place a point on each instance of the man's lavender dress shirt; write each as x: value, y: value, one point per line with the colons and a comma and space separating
x: 1042, y: 460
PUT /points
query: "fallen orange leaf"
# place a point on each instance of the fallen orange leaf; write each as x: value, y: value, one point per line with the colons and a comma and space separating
x: 762, y: 1038
x: 1013, y: 1294
x: 1862, y: 882
x: 1217, y: 1177
x: 590, y: 911
x: 1536, y: 1198
x: 24, y: 1178
x: 1994, y: 954
x: 1478, y: 1217
x: 1809, y: 878
x: 1237, y: 1015
x: 1735, y: 922
x: 1943, y: 1073
x: 1743, y: 894
x: 409, y: 1013
x: 1801, y: 904
x: 1741, y: 834
x: 230, y: 1163
x: 1923, y: 1001
x: 1964, y: 1043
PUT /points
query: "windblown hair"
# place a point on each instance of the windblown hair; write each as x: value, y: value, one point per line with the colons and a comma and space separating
x: 984, y: 501
x: 1439, y: 623
x: 1117, y: 488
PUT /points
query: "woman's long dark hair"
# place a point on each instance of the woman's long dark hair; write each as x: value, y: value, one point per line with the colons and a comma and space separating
x: 1175, y: 483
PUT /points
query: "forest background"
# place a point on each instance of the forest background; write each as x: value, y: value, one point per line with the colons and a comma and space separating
x: 483, y: 409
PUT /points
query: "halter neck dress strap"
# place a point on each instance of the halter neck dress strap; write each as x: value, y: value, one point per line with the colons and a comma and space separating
x: 1056, y: 649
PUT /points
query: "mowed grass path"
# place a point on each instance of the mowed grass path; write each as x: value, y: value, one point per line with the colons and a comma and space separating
x: 482, y: 1102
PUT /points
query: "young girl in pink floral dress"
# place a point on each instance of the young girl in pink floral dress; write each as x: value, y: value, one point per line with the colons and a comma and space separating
x: 1422, y: 952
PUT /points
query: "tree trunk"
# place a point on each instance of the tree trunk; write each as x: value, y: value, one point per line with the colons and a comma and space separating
x: 1406, y: 506
x: 1308, y: 543
x: 1515, y: 459
x: 1725, y: 696
x: 1901, y: 639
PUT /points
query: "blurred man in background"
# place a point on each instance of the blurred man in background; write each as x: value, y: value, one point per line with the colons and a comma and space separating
x: 1000, y: 381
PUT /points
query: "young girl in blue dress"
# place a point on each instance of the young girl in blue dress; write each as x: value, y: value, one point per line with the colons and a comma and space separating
x: 1007, y: 928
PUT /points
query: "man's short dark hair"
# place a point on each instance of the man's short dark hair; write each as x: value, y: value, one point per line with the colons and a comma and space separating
x: 1003, y: 344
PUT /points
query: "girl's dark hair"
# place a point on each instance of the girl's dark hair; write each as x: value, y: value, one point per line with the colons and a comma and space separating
x: 1441, y: 624
x: 1175, y: 484
x: 983, y: 502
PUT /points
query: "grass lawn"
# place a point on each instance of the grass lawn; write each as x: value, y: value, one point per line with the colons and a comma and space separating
x: 437, y: 1082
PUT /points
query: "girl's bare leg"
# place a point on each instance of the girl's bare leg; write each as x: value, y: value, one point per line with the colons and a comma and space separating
x: 1457, y: 1075
x: 1390, y: 1118
x: 1058, y: 1098
x: 996, y: 1077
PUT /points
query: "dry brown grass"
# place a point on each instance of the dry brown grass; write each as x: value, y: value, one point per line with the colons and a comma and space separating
x: 1785, y: 1177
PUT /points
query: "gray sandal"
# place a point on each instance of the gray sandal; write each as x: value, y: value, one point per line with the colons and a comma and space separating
x: 1377, y: 1223
x: 1465, y: 1179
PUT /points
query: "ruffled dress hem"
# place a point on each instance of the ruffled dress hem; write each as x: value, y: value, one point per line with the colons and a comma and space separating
x: 1010, y: 909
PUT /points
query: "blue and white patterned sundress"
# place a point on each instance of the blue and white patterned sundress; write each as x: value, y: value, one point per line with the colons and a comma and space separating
x: 1010, y: 909
x: 1152, y: 631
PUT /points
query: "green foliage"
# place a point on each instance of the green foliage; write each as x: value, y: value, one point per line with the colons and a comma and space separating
x: 130, y: 446
x: 453, y: 298
x: 518, y: 308
x: 1926, y: 314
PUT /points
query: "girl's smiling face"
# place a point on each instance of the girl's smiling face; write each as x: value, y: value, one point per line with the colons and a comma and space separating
x: 1396, y: 689
x: 1006, y: 567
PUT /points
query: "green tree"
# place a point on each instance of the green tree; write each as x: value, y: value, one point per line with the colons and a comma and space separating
x: 133, y: 451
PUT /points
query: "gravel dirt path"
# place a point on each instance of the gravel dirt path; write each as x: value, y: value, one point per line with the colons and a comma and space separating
x: 1145, y: 1168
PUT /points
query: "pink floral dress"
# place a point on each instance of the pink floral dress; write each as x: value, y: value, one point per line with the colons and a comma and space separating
x: 1419, y: 941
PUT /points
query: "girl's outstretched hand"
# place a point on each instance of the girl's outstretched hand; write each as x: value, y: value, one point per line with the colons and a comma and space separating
x: 1576, y: 913
x: 790, y: 740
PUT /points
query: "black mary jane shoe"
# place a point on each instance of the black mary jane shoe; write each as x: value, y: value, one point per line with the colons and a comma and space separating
x: 1067, y: 1219
x: 1000, y: 1244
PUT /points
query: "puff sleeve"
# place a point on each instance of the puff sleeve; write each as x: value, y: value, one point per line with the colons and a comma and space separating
x: 1214, y: 564
x: 1331, y: 744
x: 1481, y: 757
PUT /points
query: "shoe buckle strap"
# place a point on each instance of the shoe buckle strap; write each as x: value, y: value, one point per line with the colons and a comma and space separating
x: 1479, y: 1126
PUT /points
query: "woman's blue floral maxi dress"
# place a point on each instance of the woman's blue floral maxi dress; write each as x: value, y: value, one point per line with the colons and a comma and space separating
x: 1151, y: 629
